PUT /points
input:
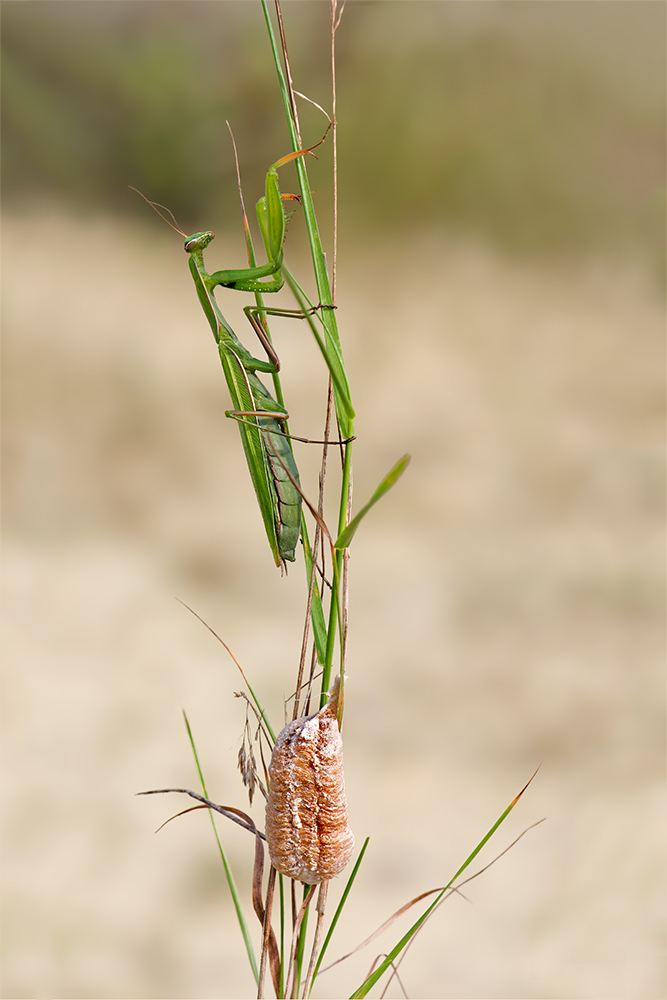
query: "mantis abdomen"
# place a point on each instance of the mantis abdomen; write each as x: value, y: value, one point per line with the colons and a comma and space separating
x: 284, y: 474
x: 269, y: 456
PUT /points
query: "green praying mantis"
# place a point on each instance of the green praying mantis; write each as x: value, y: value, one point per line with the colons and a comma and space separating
x: 261, y: 418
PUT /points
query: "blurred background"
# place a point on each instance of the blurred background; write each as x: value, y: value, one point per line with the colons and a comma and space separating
x: 501, y: 304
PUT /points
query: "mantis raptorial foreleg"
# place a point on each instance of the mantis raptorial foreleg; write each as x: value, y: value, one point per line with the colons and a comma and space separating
x: 272, y: 223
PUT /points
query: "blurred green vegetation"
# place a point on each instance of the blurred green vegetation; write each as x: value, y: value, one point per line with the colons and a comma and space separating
x: 539, y: 126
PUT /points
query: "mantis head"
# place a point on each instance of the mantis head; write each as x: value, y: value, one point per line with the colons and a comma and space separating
x: 198, y: 242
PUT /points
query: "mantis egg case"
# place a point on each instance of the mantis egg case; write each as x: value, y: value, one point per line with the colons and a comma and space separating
x: 307, y: 832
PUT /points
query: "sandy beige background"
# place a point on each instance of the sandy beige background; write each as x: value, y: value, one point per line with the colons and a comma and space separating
x: 506, y: 612
x: 507, y: 598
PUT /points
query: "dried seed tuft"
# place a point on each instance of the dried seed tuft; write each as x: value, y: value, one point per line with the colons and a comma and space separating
x: 307, y: 832
x: 246, y: 757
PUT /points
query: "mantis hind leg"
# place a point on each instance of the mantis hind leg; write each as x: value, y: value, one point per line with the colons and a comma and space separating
x: 240, y: 416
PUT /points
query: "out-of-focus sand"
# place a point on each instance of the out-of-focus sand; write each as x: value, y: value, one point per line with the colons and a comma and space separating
x: 506, y: 611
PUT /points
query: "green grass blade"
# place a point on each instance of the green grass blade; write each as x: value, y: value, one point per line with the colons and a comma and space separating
x: 228, y: 872
x: 336, y: 568
x: 392, y: 476
x: 301, y: 945
x: 333, y: 363
x: 370, y: 981
x: 339, y: 908
x: 316, y: 609
x: 332, y: 339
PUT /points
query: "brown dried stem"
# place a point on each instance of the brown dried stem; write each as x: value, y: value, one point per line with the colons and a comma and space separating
x: 319, y: 931
x: 288, y: 71
x: 269, y: 945
x: 316, y: 542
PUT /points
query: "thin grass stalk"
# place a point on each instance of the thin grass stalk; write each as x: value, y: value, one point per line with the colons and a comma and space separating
x: 266, y: 932
x: 394, y: 975
x: 318, y: 530
x: 344, y: 409
x: 319, y: 930
x: 288, y: 72
x: 316, y: 608
x: 311, y: 678
x: 335, y: 21
x: 325, y: 652
x: 236, y: 899
x: 222, y: 642
x: 304, y: 641
x: 337, y: 565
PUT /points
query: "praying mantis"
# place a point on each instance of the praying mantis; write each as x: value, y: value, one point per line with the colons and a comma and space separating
x: 261, y: 418
x: 268, y: 453
x: 271, y: 464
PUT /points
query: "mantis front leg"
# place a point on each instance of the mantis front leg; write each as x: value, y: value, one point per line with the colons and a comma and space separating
x: 272, y: 222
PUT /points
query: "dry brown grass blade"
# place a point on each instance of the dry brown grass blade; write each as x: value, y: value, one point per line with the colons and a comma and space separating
x: 315, y: 569
x: 191, y: 809
x: 378, y: 958
x: 269, y: 945
x: 246, y: 227
x: 288, y: 71
x: 390, y: 920
x: 229, y: 811
x: 319, y: 931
